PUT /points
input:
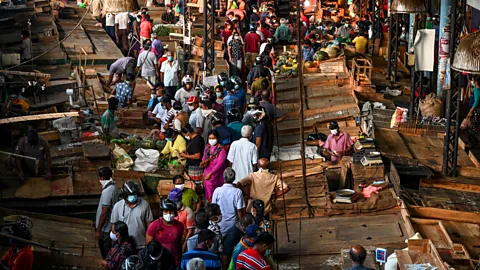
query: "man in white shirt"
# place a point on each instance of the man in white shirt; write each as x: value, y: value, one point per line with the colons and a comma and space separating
x: 243, y: 154
x: 170, y: 75
x: 230, y: 200
x: 110, y: 25
x: 122, y: 28
x: 148, y: 61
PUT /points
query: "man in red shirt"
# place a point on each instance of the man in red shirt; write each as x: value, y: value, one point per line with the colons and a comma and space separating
x: 252, y: 45
x: 167, y: 230
x: 254, y: 258
x: 145, y: 29
x: 19, y: 256
x: 266, y: 33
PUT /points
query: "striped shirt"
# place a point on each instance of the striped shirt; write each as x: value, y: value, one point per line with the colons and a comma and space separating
x: 212, y: 262
x: 252, y: 260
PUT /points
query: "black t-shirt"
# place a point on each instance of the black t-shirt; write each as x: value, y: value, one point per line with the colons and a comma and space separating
x: 231, y: 240
x: 166, y: 261
x: 196, y: 145
x: 226, y: 135
x: 262, y: 131
x: 254, y: 18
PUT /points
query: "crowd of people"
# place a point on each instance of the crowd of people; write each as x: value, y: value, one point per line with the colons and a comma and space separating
x: 229, y: 230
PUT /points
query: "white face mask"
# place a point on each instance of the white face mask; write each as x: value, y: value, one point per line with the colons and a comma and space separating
x: 191, y: 108
x: 254, y: 11
x: 212, y: 142
x: 168, y: 217
x: 113, y: 236
x: 155, y: 258
x: 206, y: 112
x: 181, y: 187
x: 236, y: 37
x: 153, y: 96
x: 334, y: 131
x: 187, y: 137
x: 105, y: 182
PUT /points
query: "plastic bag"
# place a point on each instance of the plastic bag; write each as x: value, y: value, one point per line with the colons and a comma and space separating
x: 147, y: 160
x: 431, y: 106
x: 465, y: 123
x: 123, y: 161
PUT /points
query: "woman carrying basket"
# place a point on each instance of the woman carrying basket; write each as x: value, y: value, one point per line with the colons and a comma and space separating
x: 213, y: 163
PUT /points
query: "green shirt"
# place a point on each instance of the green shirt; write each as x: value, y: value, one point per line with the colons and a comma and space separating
x: 189, y: 197
x: 108, y: 124
x: 283, y: 33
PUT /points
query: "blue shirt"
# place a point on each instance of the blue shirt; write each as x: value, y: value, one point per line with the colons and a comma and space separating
x: 229, y: 102
x: 242, y: 98
x: 237, y: 129
x: 123, y: 93
x: 212, y: 262
x: 308, y: 54
x: 226, y: 135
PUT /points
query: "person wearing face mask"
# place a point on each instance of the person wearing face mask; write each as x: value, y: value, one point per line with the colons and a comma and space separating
x: 307, y: 51
x: 230, y: 200
x: 254, y: 17
x: 236, y: 54
x: 230, y: 100
x: 169, y: 112
x: 124, y: 245
x: 189, y: 196
x: 37, y: 147
x: 252, y: 45
x: 255, y: 258
x: 243, y: 154
x: 338, y: 143
x: 204, y: 121
x: 258, y: 211
x: 147, y: 61
x: 205, y: 240
x: 239, y: 93
x: 329, y: 29
x: 176, y: 143
x: 156, y: 257
x: 184, y: 93
x: 225, y: 35
x: 246, y: 242
x: 124, y: 91
x: 184, y: 214
x: 193, y: 155
x: 168, y: 17
x: 263, y: 185
x: 213, y: 163
x: 170, y: 74
x: 343, y: 32
x: 226, y: 133
x: 109, y: 197
x: 168, y: 231
x: 218, y: 104
x: 214, y: 218
x: 134, y: 211
x: 403, y: 39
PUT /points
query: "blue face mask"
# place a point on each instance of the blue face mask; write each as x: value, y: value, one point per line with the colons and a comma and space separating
x: 268, y: 252
x: 218, y: 94
x: 159, y: 99
x: 170, y: 139
x: 132, y: 198
x: 223, y: 83
x: 237, y: 87
x: 170, y: 58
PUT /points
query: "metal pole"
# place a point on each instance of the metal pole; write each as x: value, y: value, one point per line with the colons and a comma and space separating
x: 301, y: 91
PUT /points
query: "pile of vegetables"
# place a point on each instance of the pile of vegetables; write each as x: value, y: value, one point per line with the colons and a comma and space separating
x: 146, y: 143
x: 286, y: 64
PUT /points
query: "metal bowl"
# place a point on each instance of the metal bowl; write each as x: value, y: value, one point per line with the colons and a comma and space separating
x: 346, y: 193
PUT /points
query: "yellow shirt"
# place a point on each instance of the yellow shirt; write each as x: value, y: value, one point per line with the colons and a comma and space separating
x: 179, y: 145
x: 360, y: 44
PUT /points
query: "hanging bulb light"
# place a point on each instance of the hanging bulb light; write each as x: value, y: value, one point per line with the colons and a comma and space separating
x: 306, y: 3
x: 408, y: 6
x: 467, y: 56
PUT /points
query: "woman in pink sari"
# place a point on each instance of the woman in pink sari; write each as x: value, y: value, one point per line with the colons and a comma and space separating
x: 213, y: 162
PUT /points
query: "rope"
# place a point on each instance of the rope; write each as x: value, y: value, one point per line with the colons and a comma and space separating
x: 58, y: 44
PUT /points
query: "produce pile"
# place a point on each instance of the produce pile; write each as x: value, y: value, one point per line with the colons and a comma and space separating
x: 286, y: 64
x: 137, y: 141
x: 322, y: 55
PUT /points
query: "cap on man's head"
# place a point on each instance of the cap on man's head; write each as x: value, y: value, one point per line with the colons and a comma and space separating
x: 252, y: 231
x: 192, y: 99
x: 333, y: 125
x: 252, y: 102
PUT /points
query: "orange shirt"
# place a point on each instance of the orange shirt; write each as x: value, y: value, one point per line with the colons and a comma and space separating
x: 146, y: 29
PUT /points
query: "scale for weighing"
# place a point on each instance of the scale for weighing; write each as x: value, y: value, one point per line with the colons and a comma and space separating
x: 373, y: 158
